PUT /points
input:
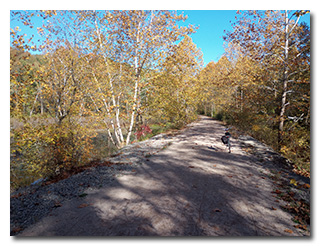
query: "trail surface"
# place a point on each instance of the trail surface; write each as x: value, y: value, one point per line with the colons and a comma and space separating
x: 193, y: 187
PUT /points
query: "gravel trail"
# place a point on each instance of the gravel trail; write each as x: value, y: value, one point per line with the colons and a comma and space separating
x: 182, y: 185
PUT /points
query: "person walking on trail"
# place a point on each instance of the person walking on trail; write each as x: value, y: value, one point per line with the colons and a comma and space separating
x: 226, y: 139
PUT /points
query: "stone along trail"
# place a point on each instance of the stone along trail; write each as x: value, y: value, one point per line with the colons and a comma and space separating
x: 193, y: 187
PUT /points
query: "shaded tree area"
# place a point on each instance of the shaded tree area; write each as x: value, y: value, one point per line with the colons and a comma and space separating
x: 105, y: 79
x: 101, y: 75
x: 262, y: 84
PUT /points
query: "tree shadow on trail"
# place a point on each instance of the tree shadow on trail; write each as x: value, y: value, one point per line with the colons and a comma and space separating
x: 185, y: 190
x: 172, y: 197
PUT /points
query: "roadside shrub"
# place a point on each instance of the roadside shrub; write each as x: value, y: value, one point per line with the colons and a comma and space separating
x: 44, y: 151
x: 142, y: 132
x: 296, y: 147
x: 219, y: 116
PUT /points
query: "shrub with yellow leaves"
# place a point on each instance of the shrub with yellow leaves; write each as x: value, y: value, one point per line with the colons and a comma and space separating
x: 39, y: 151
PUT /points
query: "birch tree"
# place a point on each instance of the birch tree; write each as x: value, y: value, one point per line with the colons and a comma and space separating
x: 267, y: 37
x: 130, y: 39
x: 277, y: 48
x: 60, y: 139
x: 289, y: 26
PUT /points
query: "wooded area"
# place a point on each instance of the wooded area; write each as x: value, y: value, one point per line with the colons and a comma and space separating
x: 262, y: 84
x: 130, y: 73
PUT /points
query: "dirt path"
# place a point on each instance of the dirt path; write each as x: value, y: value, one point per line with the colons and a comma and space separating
x: 193, y: 187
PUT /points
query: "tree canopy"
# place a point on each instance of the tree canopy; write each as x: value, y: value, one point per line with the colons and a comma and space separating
x: 124, y: 71
x: 262, y: 84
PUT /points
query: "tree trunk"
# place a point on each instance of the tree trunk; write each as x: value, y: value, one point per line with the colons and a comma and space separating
x: 41, y: 101
x: 116, y: 127
x: 137, y: 75
x: 34, y: 104
x: 213, y: 109
x: 241, y: 100
x: 284, y: 102
x: 285, y: 83
x: 133, y: 112
x: 118, y: 109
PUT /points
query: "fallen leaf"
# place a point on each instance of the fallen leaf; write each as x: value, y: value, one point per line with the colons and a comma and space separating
x: 280, y: 186
x: 273, y: 208
x: 17, y: 229
x: 229, y: 176
x: 16, y: 196
x: 291, y: 193
x: 288, y: 230
x: 306, y: 186
x: 83, y: 205
x: 215, y: 227
x: 304, y: 227
x: 277, y: 192
x: 293, y: 181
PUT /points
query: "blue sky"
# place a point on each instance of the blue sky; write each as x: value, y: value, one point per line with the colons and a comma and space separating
x: 211, y: 24
x: 208, y: 37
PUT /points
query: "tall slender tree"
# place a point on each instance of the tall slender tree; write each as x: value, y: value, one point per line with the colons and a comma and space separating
x: 267, y: 37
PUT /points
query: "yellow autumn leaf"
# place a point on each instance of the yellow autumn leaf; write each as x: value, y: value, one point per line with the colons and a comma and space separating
x: 293, y: 181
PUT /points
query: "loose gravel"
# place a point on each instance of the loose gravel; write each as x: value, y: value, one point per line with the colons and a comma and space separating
x: 28, y: 205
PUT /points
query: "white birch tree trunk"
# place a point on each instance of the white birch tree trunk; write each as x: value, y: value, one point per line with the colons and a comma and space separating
x: 284, y: 102
x: 133, y: 112
x: 285, y: 74
x: 117, y: 129
x: 137, y: 75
